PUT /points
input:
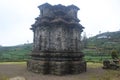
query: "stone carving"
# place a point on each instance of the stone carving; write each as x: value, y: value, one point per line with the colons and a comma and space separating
x: 57, y: 41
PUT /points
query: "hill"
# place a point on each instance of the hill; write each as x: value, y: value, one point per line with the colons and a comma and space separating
x: 15, y: 53
x: 107, y: 40
x: 102, y: 44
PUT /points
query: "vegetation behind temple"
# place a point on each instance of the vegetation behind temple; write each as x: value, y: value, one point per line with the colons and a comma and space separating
x: 99, y: 47
x: 15, y: 53
x: 96, y: 48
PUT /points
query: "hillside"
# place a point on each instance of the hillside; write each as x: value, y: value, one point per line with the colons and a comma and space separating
x: 111, y: 36
x: 15, y: 53
x: 102, y: 44
x: 107, y: 40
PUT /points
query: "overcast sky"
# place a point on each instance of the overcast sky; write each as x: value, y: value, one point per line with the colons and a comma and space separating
x: 17, y: 16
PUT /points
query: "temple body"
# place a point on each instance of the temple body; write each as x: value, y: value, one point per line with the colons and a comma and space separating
x: 57, y: 41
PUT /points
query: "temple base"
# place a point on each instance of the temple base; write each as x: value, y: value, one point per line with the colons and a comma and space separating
x: 56, y: 67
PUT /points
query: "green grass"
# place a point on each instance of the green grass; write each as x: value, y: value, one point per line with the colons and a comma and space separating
x: 97, y: 58
x: 2, y: 77
x: 12, y: 62
x: 108, y: 75
x: 94, y: 65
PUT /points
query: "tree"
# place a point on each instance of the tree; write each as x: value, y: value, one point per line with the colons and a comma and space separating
x: 84, y: 40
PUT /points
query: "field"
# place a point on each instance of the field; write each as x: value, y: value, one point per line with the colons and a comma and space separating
x: 94, y: 72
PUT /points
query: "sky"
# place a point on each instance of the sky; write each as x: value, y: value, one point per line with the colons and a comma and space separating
x: 17, y: 16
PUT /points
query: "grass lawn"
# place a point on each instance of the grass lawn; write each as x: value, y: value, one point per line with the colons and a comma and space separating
x: 12, y: 62
x: 107, y: 75
x: 94, y: 72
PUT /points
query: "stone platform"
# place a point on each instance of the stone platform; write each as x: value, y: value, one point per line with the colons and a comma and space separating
x: 57, y: 67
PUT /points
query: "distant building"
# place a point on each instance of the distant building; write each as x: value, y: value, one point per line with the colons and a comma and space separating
x: 103, y: 36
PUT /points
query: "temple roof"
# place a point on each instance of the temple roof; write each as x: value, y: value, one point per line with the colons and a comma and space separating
x: 47, y: 5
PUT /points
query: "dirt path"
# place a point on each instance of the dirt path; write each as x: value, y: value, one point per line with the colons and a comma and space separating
x: 13, y: 70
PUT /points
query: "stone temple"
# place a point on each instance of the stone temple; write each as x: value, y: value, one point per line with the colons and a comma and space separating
x: 57, y: 41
